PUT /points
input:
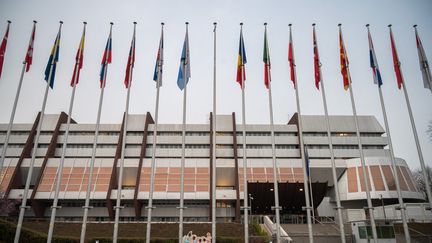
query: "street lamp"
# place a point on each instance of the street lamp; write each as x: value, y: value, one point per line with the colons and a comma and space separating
x: 250, y: 206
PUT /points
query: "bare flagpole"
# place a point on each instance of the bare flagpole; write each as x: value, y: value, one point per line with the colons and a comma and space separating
x: 416, y: 139
x: 308, y: 207
x: 362, y: 158
x: 185, y: 76
x: 392, y: 156
x: 24, y: 206
x: 245, y: 166
x: 333, y: 163
x: 9, y: 128
x: 153, y: 162
x: 55, y: 206
x: 120, y: 177
x: 214, y: 141
x: 87, y: 206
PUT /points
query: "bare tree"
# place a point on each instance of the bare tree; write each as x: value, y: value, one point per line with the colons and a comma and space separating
x: 9, y: 206
x: 419, y: 179
x: 429, y: 130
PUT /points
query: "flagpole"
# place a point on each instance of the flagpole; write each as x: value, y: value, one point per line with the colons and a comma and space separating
x: 363, y: 163
x: 120, y: 178
x: 333, y: 163
x: 275, y: 179
x: 245, y: 167
x: 214, y: 141
x: 181, y: 207
x: 311, y: 193
x: 55, y: 206
x: 153, y: 162
x: 87, y: 206
x: 9, y: 128
x: 24, y: 206
x: 392, y: 156
x: 305, y: 179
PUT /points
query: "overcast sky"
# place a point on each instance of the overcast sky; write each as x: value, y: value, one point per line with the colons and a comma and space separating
x: 201, y: 14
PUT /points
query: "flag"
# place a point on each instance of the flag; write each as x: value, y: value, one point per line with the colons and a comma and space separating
x: 396, y: 63
x: 29, y: 55
x: 266, y: 60
x: 184, y: 69
x: 106, y: 59
x: 130, y: 62
x: 241, y: 61
x: 373, y: 62
x: 52, y: 61
x: 78, y: 61
x: 3, y: 48
x: 157, y: 75
x: 343, y: 61
x: 307, y: 162
x: 291, y: 59
x: 317, y: 63
x: 424, y: 64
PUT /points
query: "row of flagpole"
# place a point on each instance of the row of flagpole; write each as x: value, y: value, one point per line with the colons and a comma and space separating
x: 184, y: 75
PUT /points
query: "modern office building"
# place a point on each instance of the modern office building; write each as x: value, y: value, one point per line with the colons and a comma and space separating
x: 197, y: 178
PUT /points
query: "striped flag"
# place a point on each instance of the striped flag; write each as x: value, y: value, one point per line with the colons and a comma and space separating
x: 241, y: 61
x: 79, y: 58
x: 3, y: 48
x: 29, y: 54
x: 130, y: 62
x: 157, y: 75
x: 343, y: 61
x: 184, y: 70
x: 373, y: 62
x: 424, y: 64
x: 291, y: 59
x: 317, y: 63
x: 106, y: 59
x: 396, y: 62
x: 266, y: 60
x: 52, y: 61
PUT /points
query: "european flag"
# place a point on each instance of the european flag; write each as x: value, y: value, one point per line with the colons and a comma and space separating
x: 52, y: 61
x: 374, y: 62
x: 184, y: 69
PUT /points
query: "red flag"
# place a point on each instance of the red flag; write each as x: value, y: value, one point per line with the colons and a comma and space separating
x: 3, y: 48
x: 317, y: 63
x: 343, y: 61
x: 79, y: 58
x: 396, y: 62
x: 130, y: 63
x: 291, y: 59
x: 29, y: 55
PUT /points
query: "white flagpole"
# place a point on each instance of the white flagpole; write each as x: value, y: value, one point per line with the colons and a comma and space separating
x: 362, y: 159
x: 182, y: 207
x: 87, y: 206
x: 245, y: 166
x: 9, y: 128
x: 392, y: 156
x: 275, y: 179
x: 64, y: 147
x: 419, y: 151
x: 302, y: 154
x: 311, y: 193
x: 120, y: 177
x: 214, y: 142
x: 333, y: 163
x: 153, y: 162
x: 24, y: 206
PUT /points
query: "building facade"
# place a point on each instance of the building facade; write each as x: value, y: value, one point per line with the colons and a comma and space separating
x: 197, y: 172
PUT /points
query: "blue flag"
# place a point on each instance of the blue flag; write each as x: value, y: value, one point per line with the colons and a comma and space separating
x: 307, y: 161
x: 52, y: 61
x: 157, y: 75
x: 184, y: 69
x: 374, y: 63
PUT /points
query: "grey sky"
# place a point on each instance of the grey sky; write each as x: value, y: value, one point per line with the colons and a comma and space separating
x: 201, y: 14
